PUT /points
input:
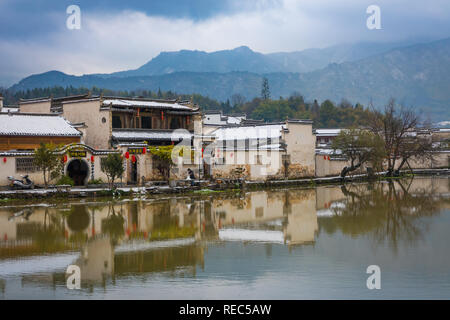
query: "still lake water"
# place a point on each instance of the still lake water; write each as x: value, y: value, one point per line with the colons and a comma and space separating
x: 282, y: 244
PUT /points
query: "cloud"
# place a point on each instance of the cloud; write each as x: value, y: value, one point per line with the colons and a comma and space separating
x: 117, y: 40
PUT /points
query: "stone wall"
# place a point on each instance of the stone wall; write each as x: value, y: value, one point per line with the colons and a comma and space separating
x: 331, y: 166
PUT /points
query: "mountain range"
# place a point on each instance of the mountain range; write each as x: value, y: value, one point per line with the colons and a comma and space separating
x: 417, y: 75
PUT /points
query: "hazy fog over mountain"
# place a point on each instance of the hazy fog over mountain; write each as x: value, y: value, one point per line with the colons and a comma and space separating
x: 244, y: 59
x: 417, y: 75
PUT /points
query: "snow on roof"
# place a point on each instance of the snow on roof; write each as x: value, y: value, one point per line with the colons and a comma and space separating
x: 217, y: 118
x: 35, y: 125
x: 328, y: 151
x: 444, y: 123
x: 235, y: 120
x: 9, y: 109
x: 271, y: 147
x: 145, y: 103
x: 249, y: 132
x: 274, y: 146
x: 143, y: 135
x: 327, y: 132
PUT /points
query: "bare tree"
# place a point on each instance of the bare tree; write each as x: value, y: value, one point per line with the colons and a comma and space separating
x: 403, y: 139
x: 237, y: 100
x: 359, y: 147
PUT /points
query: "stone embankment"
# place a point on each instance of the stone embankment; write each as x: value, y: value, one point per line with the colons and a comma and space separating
x: 199, y: 187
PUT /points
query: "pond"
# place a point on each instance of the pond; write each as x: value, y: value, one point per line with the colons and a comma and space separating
x: 314, y: 243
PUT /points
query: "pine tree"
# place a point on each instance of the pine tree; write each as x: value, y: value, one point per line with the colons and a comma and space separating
x: 265, y: 91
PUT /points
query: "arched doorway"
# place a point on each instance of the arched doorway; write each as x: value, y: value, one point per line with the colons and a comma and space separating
x: 78, y: 170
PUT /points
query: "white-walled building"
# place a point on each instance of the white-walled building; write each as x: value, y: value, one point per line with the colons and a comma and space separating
x: 260, y: 152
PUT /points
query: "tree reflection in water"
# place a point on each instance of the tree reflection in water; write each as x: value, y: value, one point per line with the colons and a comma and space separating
x: 387, y: 211
x: 113, y: 225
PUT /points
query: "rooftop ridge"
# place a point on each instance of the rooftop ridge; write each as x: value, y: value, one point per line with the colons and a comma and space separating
x: 15, y: 114
x: 142, y: 99
x: 86, y: 95
x: 252, y: 125
x: 143, y: 130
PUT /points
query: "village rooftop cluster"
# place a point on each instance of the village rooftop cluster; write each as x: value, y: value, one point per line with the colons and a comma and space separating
x: 89, y: 128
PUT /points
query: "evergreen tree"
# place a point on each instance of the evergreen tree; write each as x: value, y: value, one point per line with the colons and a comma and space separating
x: 265, y: 91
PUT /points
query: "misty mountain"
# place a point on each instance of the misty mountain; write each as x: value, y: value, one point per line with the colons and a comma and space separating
x: 417, y: 75
x: 238, y: 59
x: 244, y: 59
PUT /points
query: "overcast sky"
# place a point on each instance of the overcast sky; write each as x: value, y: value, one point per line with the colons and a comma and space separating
x: 117, y: 35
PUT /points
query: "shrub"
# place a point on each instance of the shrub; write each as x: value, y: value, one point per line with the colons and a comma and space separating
x: 96, y: 181
x: 65, y: 180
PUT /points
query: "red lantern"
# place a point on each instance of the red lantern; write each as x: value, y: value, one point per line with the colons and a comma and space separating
x: 133, y: 158
x: 127, y: 155
x: 324, y: 157
x: 4, y: 160
x: 92, y: 158
x: 329, y: 158
x: 64, y: 158
x: 144, y: 151
x: 162, y: 115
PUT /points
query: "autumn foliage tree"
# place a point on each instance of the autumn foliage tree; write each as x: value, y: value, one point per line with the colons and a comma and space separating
x: 163, y: 156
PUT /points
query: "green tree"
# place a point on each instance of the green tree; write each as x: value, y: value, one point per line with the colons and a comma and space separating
x: 271, y: 110
x: 112, y: 166
x: 48, y: 161
x: 265, y: 91
x: 163, y: 155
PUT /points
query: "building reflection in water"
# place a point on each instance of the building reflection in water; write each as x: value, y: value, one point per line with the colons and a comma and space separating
x: 125, y: 238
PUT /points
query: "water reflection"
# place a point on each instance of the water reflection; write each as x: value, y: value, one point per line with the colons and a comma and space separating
x: 122, y: 239
x: 388, y: 212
